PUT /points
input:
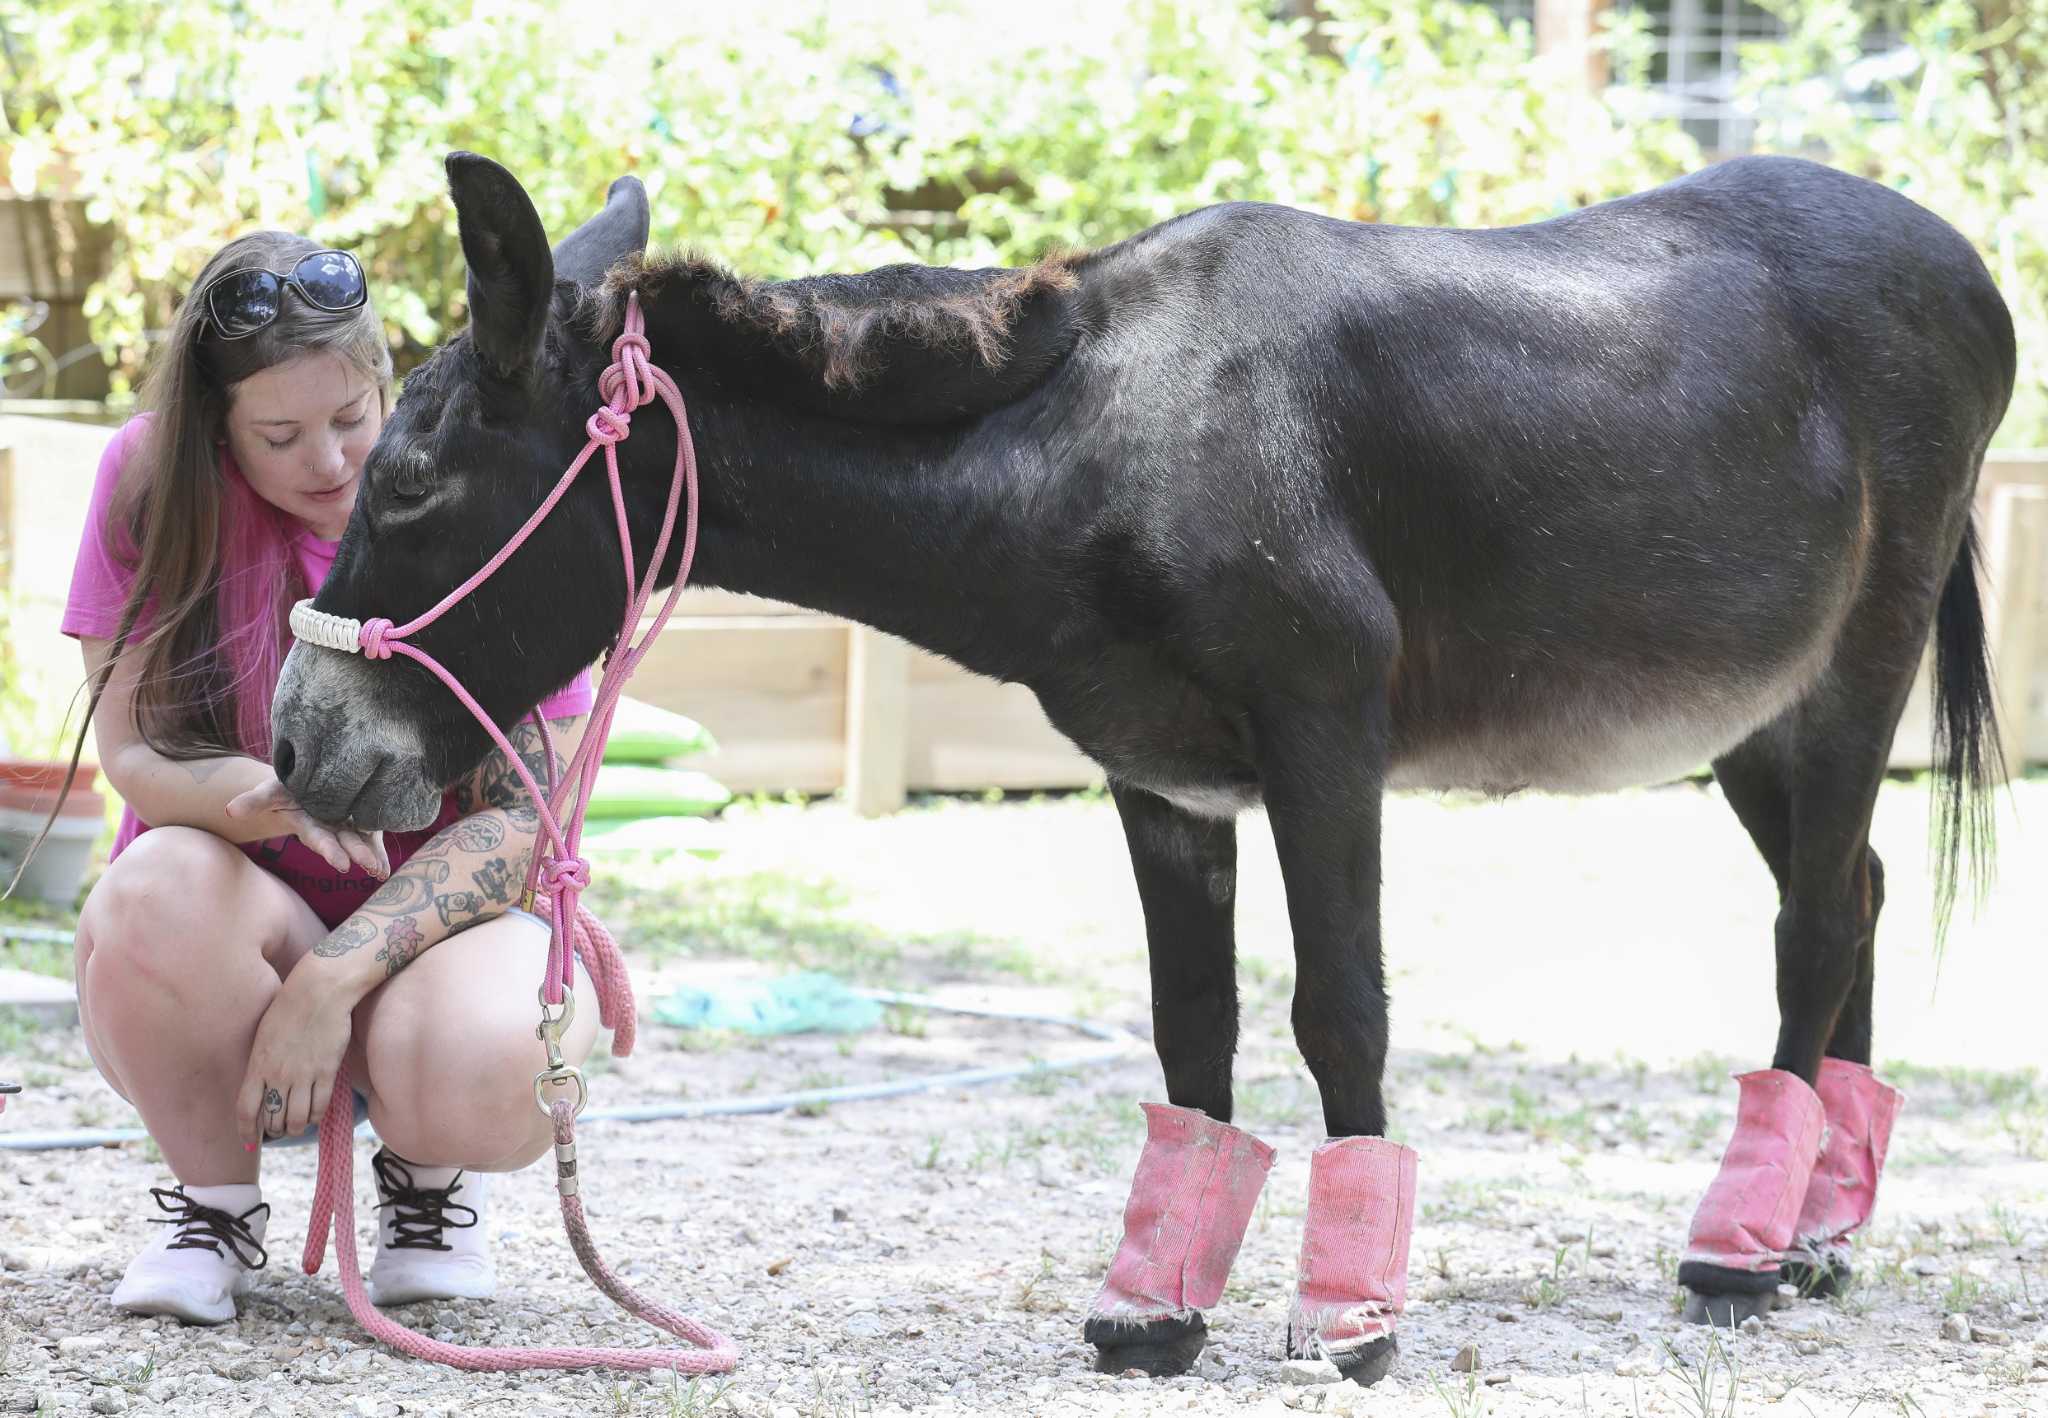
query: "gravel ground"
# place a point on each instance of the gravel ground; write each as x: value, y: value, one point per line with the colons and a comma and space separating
x: 1574, y: 981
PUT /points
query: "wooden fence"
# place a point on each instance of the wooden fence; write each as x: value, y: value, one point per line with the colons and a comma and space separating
x: 810, y: 703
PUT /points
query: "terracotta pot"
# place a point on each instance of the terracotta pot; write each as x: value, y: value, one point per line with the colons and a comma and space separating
x: 30, y: 785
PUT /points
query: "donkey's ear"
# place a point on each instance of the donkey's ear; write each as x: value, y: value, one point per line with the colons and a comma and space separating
x: 511, y: 275
x: 620, y: 230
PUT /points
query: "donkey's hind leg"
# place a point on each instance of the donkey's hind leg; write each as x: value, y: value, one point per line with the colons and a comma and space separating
x: 1804, y: 787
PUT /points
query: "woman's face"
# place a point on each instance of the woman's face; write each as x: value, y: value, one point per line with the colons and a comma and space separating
x: 300, y: 431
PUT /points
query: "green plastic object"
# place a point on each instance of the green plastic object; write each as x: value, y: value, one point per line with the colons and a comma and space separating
x: 636, y: 790
x: 795, y: 1004
x: 642, y: 733
x: 653, y: 837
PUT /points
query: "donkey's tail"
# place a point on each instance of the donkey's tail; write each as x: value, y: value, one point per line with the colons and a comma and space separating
x: 1967, y: 756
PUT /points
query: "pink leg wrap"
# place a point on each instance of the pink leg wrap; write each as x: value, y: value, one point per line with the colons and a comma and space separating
x: 1745, y: 1221
x: 1860, y: 1111
x: 1191, y: 1199
x: 1353, y: 1278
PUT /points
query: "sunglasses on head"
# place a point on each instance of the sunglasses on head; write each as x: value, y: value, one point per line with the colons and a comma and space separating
x: 243, y: 302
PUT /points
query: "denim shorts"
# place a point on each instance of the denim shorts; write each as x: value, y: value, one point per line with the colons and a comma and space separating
x: 312, y: 1133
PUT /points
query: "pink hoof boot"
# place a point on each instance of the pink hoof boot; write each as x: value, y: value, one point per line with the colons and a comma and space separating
x: 1745, y: 1222
x: 1353, y: 1279
x: 1843, y: 1192
x: 1191, y: 1199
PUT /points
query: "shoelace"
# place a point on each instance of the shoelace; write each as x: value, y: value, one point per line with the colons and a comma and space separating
x: 418, y: 1214
x: 208, y: 1228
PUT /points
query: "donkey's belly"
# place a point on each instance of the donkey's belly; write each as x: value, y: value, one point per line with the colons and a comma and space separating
x: 1593, y: 737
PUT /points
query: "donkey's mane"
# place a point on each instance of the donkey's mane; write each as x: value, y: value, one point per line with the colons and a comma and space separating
x: 901, y: 326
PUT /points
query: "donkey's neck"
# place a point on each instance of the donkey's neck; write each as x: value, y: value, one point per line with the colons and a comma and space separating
x: 908, y: 529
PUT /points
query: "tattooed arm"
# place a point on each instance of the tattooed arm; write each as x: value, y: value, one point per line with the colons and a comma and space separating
x: 470, y: 871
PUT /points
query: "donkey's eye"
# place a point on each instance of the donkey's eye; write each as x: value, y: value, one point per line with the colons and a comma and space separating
x: 408, y: 488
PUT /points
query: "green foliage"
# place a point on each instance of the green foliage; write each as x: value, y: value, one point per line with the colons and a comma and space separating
x: 785, y: 140
x: 793, y: 136
x: 1969, y: 139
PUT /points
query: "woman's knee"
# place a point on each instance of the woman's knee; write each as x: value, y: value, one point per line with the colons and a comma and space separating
x: 452, y: 1092
x: 476, y: 1110
x: 168, y: 880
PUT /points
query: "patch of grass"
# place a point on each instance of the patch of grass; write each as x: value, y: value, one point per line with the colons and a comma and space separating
x: 1856, y: 1298
x: 40, y: 957
x: 1043, y: 1082
x: 1965, y: 1291
x: 836, y: 1396
x: 18, y: 1029
x: 1710, y: 1385
x: 1703, y: 1130
x: 815, y: 1080
x: 137, y: 1380
x: 798, y: 922
x: 2028, y: 1128
x: 905, y: 1022
x: 1466, y: 1402
x: 1546, y: 1291
x: 1276, y: 1099
x: 1029, y: 1294
x: 1709, y: 1073
x: 1532, y: 1113
x: 1092, y: 1135
x: 693, y: 1399
x: 1974, y: 1087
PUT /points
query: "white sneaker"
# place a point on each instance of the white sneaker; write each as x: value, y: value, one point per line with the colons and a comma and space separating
x: 430, y: 1246
x: 209, y: 1255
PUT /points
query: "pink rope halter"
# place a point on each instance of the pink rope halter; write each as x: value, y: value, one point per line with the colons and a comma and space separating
x: 557, y: 871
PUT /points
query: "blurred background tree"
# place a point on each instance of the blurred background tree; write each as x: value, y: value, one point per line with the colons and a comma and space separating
x: 1952, y: 110
x: 799, y: 136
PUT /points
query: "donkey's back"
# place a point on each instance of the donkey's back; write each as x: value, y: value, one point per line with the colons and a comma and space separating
x: 1617, y: 483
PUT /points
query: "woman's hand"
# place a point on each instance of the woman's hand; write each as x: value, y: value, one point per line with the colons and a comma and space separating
x: 298, y: 1047
x: 339, y: 846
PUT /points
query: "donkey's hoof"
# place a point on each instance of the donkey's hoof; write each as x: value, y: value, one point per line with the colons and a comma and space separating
x: 1817, y: 1279
x: 1162, y: 1347
x: 1366, y: 1364
x: 1726, y: 1309
x: 1724, y: 1297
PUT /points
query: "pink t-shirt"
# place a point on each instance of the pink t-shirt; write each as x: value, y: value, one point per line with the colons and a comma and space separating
x: 99, y: 589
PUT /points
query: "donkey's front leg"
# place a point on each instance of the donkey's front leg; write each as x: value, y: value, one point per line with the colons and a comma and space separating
x: 1198, y: 1177
x: 1324, y: 770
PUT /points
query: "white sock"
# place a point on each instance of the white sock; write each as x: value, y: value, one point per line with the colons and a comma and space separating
x: 232, y: 1197
x: 432, y: 1178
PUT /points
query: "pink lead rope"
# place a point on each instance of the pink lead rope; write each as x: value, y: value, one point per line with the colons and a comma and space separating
x: 630, y: 382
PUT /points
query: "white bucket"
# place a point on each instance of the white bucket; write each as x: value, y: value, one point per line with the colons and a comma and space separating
x: 60, y: 863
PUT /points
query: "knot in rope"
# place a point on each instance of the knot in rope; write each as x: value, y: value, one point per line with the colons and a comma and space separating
x: 565, y: 873
x: 628, y: 373
x: 629, y: 355
x: 608, y: 425
x: 373, y: 633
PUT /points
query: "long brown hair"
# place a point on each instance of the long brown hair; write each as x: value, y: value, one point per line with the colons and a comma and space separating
x: 214, y: 573
x: 214, y: 576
